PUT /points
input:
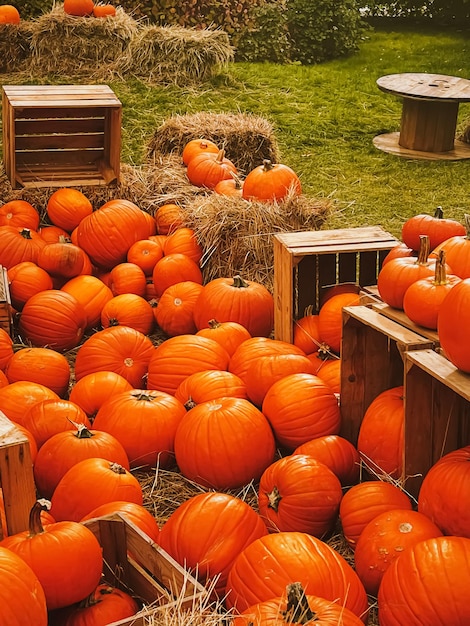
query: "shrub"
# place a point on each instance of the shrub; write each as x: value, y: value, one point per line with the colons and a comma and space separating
x: 267, y: 38
x: 323, y: 30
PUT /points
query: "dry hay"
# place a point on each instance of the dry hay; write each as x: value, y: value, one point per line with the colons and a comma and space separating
x: 70, y: 45
x: 15, y: 46
x: 247, y: 139
x: 175, y: 54
x: 236, y: 235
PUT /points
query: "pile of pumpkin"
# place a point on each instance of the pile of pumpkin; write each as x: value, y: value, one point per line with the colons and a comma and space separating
x: 220, y: 398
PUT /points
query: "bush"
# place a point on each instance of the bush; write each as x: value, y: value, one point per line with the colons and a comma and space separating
x: 31, y: 8
x: 323, y: 30
x: 267, y: 39
x: 439, y: 11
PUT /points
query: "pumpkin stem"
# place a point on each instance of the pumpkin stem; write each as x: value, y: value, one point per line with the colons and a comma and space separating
x: 25, y: 233
x: 35, y: 525
x: 220, y: 156
x: 439, y: 213
x: 94, y: 597
x: 274, y: 497
x: 113, y: 321
x: 213, y: 323
x: 189, y: 404
x: 239, y: 282
x: 298, y: 610
x: 267, y: 165
x: 83, y: 432
x: 142, y: 396
x: 237, y: 179
x: 424, y: 250
x: 116, y: 468
x: 440, y: 275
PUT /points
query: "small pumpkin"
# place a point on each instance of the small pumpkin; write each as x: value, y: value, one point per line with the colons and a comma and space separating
x: 105, y: 605
x: 136, y: 513
x: 209, y: 385
x: 175, y: 268
x: 232, y: 187
x: 207, y: 169
x: 17, y: 398
x: 145, y: 253
x: 330, y: 320
x: 93, y: 389
x: 194, y: 147
x: 168, y: 217
x: 40, y: 365
x: 457, y: 251
x: 45, y: 419
x: 67, y: 207
x: 104, y: 10
x: 25, y: 280
x: 125, y: 278
x: 9, y: 14
x: 229, y: 334
x: 435, y: 226
x: 337, y: 453
x: 92, y: 293
x: 183, y: 241
x: 19, y: 212
x: 271, y: 182
x: 79, y: 8
x: 19, y: 244
x: 174, y: 311
x: 128, y: 309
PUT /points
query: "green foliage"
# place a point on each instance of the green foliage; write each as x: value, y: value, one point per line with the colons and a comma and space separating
x: 441, y: 11
x: 31, y: 8
x: 323, y: 30
x: 267, y: 39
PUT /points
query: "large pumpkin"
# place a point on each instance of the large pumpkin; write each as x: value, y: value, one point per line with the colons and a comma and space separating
x: 40, y: 365
x: 224, y: 443
x: 25, y: 280
x: 107, y: 234
x: 207, y: 169
x: 207, y: 532
x: 93, y: 389
x: 53, y: 318
x: 19, y: 212
x: 67, y: 207
x: 435, y: 226
x: 16, y: 398
x: 92, y: 293
x: 65, y: 556
x: 19, y: 244
x: 21, y: 594
x: 453, y: 325
x: 445, y: 492
x: 300, y: 407
x: 428, y: 585
x: 337, y: 453
x: 145, y: 423
x: 271, y: 182
x: 45, y: 419
x: 299, y: 493
x: 236, y: 300
x: 264, y: 569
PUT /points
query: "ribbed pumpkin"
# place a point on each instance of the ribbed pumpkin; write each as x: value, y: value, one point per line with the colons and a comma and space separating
x: 224, y: 443
x: 106, y: 604
x: 435, y: 226
x: 209, y: 385
x: 264, y: 569
x: 168, y: 217
x: 175, y: 268
x: 246, y: 302
x: 271, y: 182
x: 337, y: 453
x: 174, y: 312
x: 91, y: 483
x: 207, y: 169
x: 93, y: 389
x: 195, y: 146
x: 17, y: 398
x: 330, y: 321
x: 64, y: 551
x: 119, y: 349
x: 223, y: 524
x: 64, y: 259
x: 53, y: 318
x: 178, y: 357
x: 457, y: 249
x: 136, y: 513
x: 25, y: 280
x: 92, y: 293
x: 299, y: 493
x: 128, y: 309
x: 40, y: 365
x: 145, y: 422
x: 453, y: 325
x: 229, y: 334
x: 45, y: 419
x: 19, y: 244
x: 107, y: 234
x: 183, y: 241
x: 307, y: 333
x: 62, y: 450
x: 145, y: 253
x: 67, y: 207
x: 300, y: 407
x: 6, y: 348
x: 19, y: 213
x: 127, y: 278
x: 364, y: 501
x: 80, y: 8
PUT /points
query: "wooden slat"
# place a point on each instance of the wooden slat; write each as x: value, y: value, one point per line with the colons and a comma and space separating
x: 59, y: 126
x: 40, y: 143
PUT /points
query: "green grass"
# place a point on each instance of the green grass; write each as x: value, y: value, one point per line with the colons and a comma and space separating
x: 325, y: 118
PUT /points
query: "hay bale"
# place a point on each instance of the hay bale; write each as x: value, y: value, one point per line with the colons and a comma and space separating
x: 15, y: 46
x: 236, y: 235
x: 248, y: 139
x: 69, y: 45
x: 174, y: 54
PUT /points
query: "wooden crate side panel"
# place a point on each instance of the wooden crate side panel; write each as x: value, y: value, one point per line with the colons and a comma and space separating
x: 112, y: 146
x: 63, y: 157
x: 305, y: 282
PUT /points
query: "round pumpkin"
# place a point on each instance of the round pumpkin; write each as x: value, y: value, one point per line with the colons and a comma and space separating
x: 330, y: 318
x: 183, y: 241
x: 175, y: 268
x: 384, y: 539
x: 174, y: 311
x: 439, y: 598
x: 6, y: 348
x: 105, y: 605
x: 104, y: 10
x: 300, y: 407
x: 271, y: 182
x: 19, y: 213
x: 145, y: 253
x: 67, y: 207
x: 207, y: 169
x: 223, y: 524
x: 132, y: 511
x: 195, y: 146
x: 337, y: 453
x: 364, y: 501
x: 63, y: 551
x: 48, y: 417
x: 90, y: 483
x: 19, y: 244
x: 444, y: 493
x: 209, y: 385
x: 435, y: 226
x: 457, y: 249
x: 93, y: 389
x: 145, y: 422
x: 92, y: 293
x: 224, y: 443
x: 264, y: 568
x: 229, y: 334
x: 168, y: 217
x: 21, y: 594
x: 246, y: 302
x: 453, y: 324
x: 9, y: 15
x: 80, y: 8
x: 40, y: 365
x: 53, y: 318
x: 307, y: 333
x: 16, y: 398
x: 63, y: 449
x: 299, y: 493
x: 128, y: 309
x: 25, y: 280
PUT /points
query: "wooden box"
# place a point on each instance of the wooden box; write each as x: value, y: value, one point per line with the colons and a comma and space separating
x: 372, y: 360
x: 17, y: 488
x: 134, y: 563
x: 437, y: 413
x: 307, y: 263
x: 5, y: 302
x: 61, y: 135
x: 400, y: 317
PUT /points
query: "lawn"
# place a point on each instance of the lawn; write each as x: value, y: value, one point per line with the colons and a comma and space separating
x: 325, y: 118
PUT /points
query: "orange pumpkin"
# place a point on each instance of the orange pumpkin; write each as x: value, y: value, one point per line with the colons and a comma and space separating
x: 9, y: 14
x: 145, y: 253
x: 127, y: 278
x: 337, y: 453
x: 209, y: 385
x: 175, y: 268
x: 168, y: 218
x: 207, y: 169
x: 195, y: 146
x: 92, y: 293
x: 6, y: 348
x: 330, y: 318
x: 80, y: 8
x: 229, y: 334
x: 104, y: 10
x: 66, y: 207
x: 17, y: 398
x: 45, y: 419
x: 26, y: 279
x: 128, y: 309
x: 93, y: 389
x: 183, y: 241
x: 40, y: 365
x: 174, y: 312
x: 19, y: 212
x: 271, y: 182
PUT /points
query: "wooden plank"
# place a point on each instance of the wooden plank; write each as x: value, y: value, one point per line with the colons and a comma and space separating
x: 58, y: 126
x: 68, y: 142
x: 52, y: 157
x: 400, y: 317
x: 283, y: 292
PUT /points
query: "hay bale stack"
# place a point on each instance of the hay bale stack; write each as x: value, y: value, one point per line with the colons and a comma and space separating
x: 174, y: 54
x: 69, y: 45
x: 15, y: 46
x: 248, y: 139
x: 236, y: 235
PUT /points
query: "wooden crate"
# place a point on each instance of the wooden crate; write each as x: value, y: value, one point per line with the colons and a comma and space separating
x: 372, y: 360
x: 400, y: 317
x: 134, y: 563
x: 307, y: 263
x: 437, y: 412
x: 18, y: 491
x: 61, y: 135
x: 5, y: 302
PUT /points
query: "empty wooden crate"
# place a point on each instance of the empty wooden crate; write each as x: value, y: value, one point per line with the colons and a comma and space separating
x: 61, y: 135
x: 307, y: 263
